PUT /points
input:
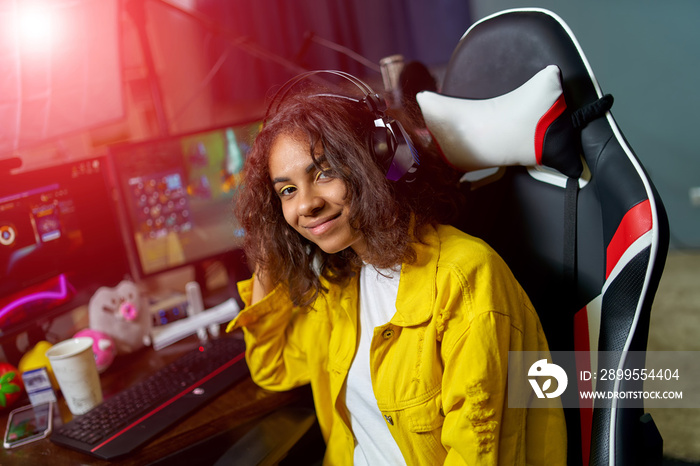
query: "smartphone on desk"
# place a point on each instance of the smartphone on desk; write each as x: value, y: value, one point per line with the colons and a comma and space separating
x: 27, y: 424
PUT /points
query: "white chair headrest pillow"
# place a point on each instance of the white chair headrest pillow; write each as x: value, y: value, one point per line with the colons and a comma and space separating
x: 510, y: 129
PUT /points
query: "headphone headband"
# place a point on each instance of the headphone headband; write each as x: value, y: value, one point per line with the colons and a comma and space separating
x: 390, y: 144
x: 375, y: 103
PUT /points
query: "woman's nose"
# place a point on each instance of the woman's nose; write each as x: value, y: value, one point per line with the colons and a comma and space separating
x: 310, y: 203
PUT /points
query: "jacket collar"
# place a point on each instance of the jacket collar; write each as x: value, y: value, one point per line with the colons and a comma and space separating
x: 417, y: 288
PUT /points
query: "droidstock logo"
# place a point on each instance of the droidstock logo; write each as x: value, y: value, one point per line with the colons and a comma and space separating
x: 551, y: 371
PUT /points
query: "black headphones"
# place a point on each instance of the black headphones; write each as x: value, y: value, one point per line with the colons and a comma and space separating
x: 389, y: 143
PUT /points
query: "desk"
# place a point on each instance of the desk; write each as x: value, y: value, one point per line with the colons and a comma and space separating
x: 218, y: 424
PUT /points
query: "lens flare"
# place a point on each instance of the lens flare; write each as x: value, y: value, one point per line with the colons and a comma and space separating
x: 36, y: 27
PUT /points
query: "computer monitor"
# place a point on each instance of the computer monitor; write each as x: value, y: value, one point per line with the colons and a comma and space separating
x: 177, y: 195
x: 59, y: 242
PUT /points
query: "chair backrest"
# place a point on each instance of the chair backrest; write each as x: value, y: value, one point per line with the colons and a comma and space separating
x: 590, y: 255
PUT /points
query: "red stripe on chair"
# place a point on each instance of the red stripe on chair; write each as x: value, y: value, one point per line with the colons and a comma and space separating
x: 582, y: 341
x: 583, y: 363
x: 544, y: 123
x: 442, y: 153
x: 634, y: 224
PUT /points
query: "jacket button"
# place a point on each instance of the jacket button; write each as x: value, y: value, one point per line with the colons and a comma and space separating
x: 389, y: 420
x: 388, y: 333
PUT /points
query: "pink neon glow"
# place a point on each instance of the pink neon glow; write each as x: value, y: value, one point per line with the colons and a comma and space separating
x: 62, y: 293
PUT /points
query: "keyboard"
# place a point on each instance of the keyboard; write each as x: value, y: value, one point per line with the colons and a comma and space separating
x: 144, y: 410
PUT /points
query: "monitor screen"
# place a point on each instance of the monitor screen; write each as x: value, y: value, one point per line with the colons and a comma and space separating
x: 59, y: 241
x: 177, y: 195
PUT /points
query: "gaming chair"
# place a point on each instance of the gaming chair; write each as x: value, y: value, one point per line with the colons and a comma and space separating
x: 568, y: 204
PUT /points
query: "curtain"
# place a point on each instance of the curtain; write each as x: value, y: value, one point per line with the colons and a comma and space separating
x: 271, y: 35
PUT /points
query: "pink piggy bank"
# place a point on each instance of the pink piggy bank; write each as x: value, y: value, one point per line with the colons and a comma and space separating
x: 102, y: 345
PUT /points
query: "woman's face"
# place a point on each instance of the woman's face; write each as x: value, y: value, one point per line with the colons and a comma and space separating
x: 313, y: 201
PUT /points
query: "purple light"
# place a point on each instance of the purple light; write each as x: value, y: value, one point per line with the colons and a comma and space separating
x: 62, y: 293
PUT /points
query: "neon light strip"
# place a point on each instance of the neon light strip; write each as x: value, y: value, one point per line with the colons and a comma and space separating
x: 62, y: 293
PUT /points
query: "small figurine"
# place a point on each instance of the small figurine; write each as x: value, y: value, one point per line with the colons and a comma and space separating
x: 11, y: 386
x: 103, y: 346
x: 36, y: 358
x: 122, y: 314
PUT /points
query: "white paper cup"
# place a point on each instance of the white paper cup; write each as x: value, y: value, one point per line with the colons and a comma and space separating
x: 73, y: 364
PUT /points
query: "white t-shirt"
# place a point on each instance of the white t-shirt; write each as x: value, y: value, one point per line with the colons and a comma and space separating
x: 374, y: 443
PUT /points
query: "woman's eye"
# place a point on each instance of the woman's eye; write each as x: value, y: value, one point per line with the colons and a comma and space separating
x: 323, y: 175
x: 287, y: 190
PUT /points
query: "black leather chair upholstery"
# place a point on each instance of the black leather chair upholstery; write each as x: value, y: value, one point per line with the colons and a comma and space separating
x: 591, y: 255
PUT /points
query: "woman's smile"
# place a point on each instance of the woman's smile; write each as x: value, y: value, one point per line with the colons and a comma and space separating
x: 321, y: 226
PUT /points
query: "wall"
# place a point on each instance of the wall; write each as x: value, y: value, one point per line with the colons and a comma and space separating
x: 642, y: 51
x: 645, y: 54
x: 215, y: 61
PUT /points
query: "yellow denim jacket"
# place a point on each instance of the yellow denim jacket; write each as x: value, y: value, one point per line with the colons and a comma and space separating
x: 439, y: 367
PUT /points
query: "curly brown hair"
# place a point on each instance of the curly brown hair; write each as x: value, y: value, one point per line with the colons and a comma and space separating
x: 381, y: 210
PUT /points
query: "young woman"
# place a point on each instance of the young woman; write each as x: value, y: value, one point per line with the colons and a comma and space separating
x: 401, y: 324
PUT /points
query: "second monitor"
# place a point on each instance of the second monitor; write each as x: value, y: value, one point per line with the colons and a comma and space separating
x: 177, y: 194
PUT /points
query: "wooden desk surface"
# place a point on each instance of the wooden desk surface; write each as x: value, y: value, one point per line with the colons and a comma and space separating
x: 228, y: 416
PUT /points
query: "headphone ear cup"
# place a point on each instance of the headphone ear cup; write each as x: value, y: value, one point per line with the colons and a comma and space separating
x: 382, y: 146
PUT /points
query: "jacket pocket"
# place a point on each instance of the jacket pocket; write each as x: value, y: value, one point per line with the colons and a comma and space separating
x: 426, y: 416
x: 422, y: 429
